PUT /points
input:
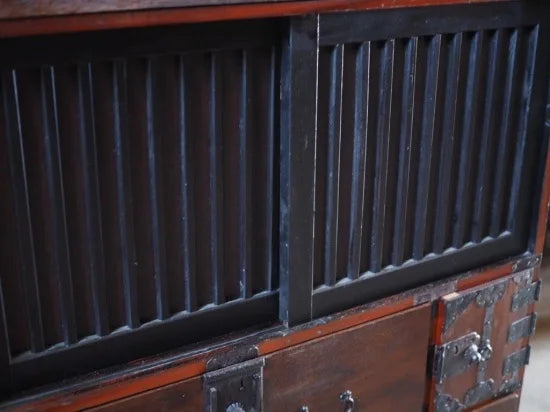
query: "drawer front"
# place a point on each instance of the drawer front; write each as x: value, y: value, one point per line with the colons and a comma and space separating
x: 181, y: 396
x: 482, y: 342
x: 373, y: 361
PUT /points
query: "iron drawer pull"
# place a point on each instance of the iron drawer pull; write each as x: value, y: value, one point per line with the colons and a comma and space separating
x: 347, y: 398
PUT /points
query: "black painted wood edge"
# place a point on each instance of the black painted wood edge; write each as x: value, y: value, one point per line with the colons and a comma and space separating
x: 536, y: 127
x: 373, y: 286
x: 114, y: 44
x: 150, y: 339
x: 350, y: 27
x: 297, y: 169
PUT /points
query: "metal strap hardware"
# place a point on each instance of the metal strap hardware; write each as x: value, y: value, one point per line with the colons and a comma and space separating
x: 516, y: 360
x: 236, y: 388
x: 479, y: 393
x: 526, y: 295
x: 522, y: 328
x: 446, y: 403
x: 456, y: 356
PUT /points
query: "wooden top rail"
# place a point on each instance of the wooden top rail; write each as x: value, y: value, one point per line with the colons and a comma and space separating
x: 23, y: 18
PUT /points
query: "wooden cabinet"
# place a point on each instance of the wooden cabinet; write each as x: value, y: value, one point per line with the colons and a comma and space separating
x: 271, y: 206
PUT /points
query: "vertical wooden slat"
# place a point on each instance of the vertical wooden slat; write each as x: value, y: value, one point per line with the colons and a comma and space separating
x: 270, y: 197
x: 94, y: 244
x: 60, y: 246
x: 155, y: 193
x: 187, y: 209
x: 408, y: 231
x: 124, y: 197
x: 297, y: 169
x: 21, y: 209
x: 230, y: 64
x: 448, y: 145
x: 74, y: 137
x: 346, y: 159
x: 505, y: 134
x: 537, y: 63
x: 372, y: 111
x: 462, y: 205
x: 333, y: 163
x: 215, y: 182
x: 5, y: 376
x: 513, y: 220
x: 361, y: 102
x: 321, y: 152
x: 393, y: 152
x: 243, y: 185
x: 427, y: 138
x: 486, y: 148
x: 383, y: 125
x: 197, y: 106
x: 168, y: 146
x: 406, y: 123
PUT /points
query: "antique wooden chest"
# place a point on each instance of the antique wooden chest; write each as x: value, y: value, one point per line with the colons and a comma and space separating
x: 324, y: 205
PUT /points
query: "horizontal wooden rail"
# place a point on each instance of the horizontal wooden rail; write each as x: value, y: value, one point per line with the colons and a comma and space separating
x: 99, y: 389
x: 49, y: 21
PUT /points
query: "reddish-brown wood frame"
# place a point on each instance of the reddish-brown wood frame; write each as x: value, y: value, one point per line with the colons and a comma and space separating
x: 144, y: 18
x: 154, y: 373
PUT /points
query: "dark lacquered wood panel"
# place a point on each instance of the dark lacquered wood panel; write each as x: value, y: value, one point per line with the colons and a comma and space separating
x: 382, y: 362
x: 445, y: 145
x: 139, y: 191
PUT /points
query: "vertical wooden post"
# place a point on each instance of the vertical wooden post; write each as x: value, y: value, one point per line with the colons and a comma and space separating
x: 297, y: 168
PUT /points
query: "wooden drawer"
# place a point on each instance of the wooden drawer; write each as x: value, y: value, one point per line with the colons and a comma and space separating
x: 482, y: 342
x: 181, y: 396
x: 374, y: 361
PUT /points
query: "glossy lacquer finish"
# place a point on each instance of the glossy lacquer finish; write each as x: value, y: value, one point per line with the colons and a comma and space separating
x: 138, y: 195
x: 168, y: 185
x: 427, y: 135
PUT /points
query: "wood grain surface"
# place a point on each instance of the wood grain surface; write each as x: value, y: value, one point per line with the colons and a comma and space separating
x: 22, y: 18
x: 375, y: 361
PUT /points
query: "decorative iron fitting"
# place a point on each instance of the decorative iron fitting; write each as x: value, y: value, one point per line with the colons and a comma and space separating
x: 526, y: 295
x: 446, y: 403
x: 509, y: 385
x: 522, y: 328
x: 455, y: 308
x: 235, y: 388
x: 453, y: 358
x: 526, y: 262
x: 479, y: 393
x: 516, y: 361
x: 486, y: 298
x: 489, y: 296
